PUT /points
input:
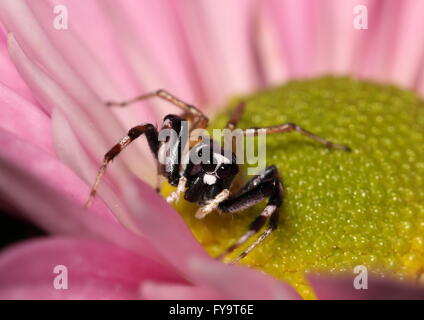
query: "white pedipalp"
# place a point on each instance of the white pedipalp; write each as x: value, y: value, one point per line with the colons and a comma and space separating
x: 174, y: 196
x: 209, y: 179
x: 212, y: 204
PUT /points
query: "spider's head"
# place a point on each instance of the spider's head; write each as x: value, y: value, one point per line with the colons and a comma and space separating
x: 213, y: 172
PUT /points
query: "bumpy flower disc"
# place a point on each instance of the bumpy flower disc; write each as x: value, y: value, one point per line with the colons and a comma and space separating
x: 341, y: 209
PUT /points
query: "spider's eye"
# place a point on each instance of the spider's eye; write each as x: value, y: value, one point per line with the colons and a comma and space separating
x: 209, y: 167
x: 225, y: 171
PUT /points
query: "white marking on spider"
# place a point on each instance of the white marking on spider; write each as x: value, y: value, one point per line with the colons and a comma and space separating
x: 209, y: 179
x: 125, y: 141
x: 211, y: 205
x: 268, y: 210
x: 175, y: 196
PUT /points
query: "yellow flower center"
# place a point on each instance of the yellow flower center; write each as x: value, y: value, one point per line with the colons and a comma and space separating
x: 340, y: 209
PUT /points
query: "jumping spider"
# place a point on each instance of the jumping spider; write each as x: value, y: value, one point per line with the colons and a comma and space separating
x: 209, y: 184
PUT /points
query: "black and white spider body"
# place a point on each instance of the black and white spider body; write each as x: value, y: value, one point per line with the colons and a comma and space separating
x: 207, y: 179
x: 210, y: 181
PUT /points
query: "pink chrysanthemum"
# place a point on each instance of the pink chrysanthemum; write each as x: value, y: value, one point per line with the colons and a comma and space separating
x: 54, y: 127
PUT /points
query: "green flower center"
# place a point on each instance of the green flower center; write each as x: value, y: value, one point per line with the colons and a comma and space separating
x: 340, y: 209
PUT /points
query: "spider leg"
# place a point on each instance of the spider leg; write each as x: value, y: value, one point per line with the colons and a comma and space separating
x: 232, y: 125
x: 171, y: 155
x: 273, y: 224
x: 212, y: 204
x: 287, y: 127
x: 152, y: 138
x: 236, y: 116
x: 198, y: 119
x: 268, y: 174
x: 158, y: 182
x: 175, y: 195
x: 266, y: 185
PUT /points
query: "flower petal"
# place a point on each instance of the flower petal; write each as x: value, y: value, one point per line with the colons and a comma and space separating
x: 339, y: 43
x: 72, y: 153
x: 49, y: 93
x: 225, y: 30
x: 376, y: 49
x: 81, y: 55
x: 408, y: 49
x: 171, y: 291
x: 162, y: 225
x: 8, y: 74
x: 239, y: 283
x: 94, y: 270
x: 46, y: 168
x: 24, y: 119
x: 147, y: 33
x: 51, y: 210
x: 266, y: 44
x: 295, y: 21
x: 99, y: 43
x: 61, y: 87
x: 172, y: 238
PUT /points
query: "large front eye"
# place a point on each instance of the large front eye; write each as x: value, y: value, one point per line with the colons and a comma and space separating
x: 209, y: 167
x: 224, y: 171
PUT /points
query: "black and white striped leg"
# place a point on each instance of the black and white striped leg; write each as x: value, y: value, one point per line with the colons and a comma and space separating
x: 175, y: 195
x: 265, y: 185
x: 236, y: 116
x: 273, y: 224
x: 269, y: 173
x: 212, y: 204
x: 152, y: 138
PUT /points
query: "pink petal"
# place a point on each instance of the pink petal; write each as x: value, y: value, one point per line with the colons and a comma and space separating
x: 171, y: 237
x: 8, y: 74
x: 239, y: 283
x: 24, y: 119
x: 148, y: 34
x: 51, y: 210
x: 408, y: 50
x: 72, y: 153
x: 265, y: 40
x: 46, y: 168
x: 295, y: 22
x: 171, y: 291
x: 49, y: 93
x: 339, y: 43
x: 223, y: 30
x: 100, y: 44
x: 95, y: 270
x: 376, y: 49
x: 162, y: 225
x: 82, y: 55
x: 341, y: 288
x: 83, y: 104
